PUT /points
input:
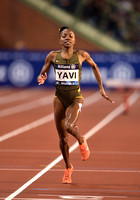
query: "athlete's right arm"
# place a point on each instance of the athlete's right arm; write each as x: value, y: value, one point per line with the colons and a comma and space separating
x: 50, y: 60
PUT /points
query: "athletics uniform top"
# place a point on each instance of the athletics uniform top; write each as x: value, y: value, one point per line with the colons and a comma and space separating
x: 68, y: 76
x: 68, y: 71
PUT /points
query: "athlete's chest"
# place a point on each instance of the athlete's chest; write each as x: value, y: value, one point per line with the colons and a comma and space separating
x: 67, y: 70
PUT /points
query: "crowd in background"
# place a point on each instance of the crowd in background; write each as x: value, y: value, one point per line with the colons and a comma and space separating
x: 118, y: 18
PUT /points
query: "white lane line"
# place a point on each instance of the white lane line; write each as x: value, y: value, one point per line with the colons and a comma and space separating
x: 78, y: 197
x: 92, y: 99
x: 76, y: 170
x: 20, y: 95
x: 57, y: 151
x: 53, y: 163
x: 26, y: 106
x: 27, y: 127
x: 73, y: 197
x: 42, y: 102
x: 132, y: 99
x: 117, y: 152
x: 38, y: 122
x: 31, y: 199
x: 28, y: 151
x: 84, y: 197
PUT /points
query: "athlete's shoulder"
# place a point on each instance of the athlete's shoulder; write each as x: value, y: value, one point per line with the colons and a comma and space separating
x: 52, y: 54
x: 51, y: 57
x: 83, y: 53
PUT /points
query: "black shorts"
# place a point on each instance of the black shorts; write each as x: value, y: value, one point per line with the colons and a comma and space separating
x: 67, y: 97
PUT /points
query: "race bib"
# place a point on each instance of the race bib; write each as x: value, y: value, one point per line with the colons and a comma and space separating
x: 67, y: 74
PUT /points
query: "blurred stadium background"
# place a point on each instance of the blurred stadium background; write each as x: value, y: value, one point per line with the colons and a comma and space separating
x: 108, y: 29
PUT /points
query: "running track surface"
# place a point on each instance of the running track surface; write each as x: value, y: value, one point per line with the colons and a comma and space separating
x: 31, y: 167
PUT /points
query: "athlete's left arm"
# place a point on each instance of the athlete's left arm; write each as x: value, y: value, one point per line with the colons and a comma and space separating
x: 97, y: 74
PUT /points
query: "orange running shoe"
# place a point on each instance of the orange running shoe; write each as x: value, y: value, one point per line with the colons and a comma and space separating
x: 85, y: 152
x: 67, y: 175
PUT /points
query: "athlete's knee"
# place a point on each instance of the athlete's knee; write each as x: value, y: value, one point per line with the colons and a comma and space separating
x: 69, y: 127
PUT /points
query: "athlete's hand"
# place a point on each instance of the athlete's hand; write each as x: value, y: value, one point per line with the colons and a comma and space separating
x: 41, y: 79
x: 105, y: 96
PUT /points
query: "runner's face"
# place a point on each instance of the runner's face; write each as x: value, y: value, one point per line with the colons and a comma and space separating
x: 67, y: 38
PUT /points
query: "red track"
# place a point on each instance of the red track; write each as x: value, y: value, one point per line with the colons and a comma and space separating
x: 112, y: 171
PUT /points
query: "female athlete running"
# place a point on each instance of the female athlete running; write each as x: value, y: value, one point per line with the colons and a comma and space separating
x: 68, y: 99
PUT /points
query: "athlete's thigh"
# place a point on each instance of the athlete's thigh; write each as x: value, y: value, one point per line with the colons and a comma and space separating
x: 73, y: 111
x: 59, y: 116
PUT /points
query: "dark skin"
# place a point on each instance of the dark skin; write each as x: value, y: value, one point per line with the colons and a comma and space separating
x: 66, y: 119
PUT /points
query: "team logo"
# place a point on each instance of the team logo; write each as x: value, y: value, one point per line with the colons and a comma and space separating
x: 20, y: 73
x: 73, y: 66
x: 122, y: 71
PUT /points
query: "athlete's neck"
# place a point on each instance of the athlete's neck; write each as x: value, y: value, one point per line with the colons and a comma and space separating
x: 67, y: 53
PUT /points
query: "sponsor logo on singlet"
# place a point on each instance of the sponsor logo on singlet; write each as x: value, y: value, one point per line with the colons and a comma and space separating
x: 67, y: 74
